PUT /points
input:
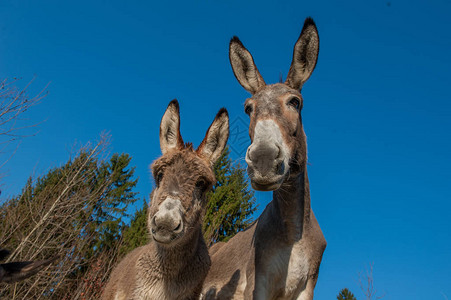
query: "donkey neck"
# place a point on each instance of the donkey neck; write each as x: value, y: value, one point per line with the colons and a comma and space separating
x: 291, y: 203
x: 173, y: 259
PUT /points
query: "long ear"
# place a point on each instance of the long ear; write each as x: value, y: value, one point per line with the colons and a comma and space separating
x: 3, y: 253
x: 170, y: 137
x: 244, y: 67
x: 305, y: 55
x: 216, y: 138
x: 16, y: 271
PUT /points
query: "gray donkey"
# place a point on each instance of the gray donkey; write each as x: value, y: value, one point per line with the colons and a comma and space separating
x: 279, y: 255
x: 174, y: 264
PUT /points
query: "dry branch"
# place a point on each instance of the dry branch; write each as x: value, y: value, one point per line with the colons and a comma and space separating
x: 55, y: 221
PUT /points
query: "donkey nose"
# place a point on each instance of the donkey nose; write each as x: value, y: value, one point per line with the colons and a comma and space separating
x: 166, y: 222
x: 168, y: 216
x: 259, y: 153
x: 264, y: 157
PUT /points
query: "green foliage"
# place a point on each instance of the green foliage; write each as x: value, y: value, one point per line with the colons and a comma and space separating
x: 116, y: 183
x: 137, y: 234
x: 345, y: 294
x: 110, y: 182
x: 230, y: 204
x: 76, y: 213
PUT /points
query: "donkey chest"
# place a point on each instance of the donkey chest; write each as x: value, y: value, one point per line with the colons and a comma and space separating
x: 289, y: 270
x: 178, y: 286
x: 159, y: 290
x: 153, y: 289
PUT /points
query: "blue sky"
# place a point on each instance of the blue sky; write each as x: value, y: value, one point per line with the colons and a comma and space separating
x: 377, y: 110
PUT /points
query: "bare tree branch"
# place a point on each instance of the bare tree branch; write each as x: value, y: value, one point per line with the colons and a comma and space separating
x: 14, y: 103
x: 366, y: 283
x: 55, y: 222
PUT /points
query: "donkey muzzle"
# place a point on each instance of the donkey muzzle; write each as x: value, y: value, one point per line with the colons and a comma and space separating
x: 167, y: 224
x: 266, y: 166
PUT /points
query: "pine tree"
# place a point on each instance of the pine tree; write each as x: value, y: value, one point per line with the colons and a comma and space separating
x: 106, y: 217
x: 136, y: 234
x: 76, y: 213
x: 230, y: 204
x: 345, y: 294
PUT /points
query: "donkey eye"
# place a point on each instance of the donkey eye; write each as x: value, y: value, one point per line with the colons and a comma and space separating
x: 248, y: 109
x: 201, y: 184
x: 295, y: 103
x: 158, y: 178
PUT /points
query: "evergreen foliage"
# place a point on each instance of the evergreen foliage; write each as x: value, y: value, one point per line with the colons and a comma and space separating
x: 230, y: 204
x: 136, y: 234
x: 345, y: 294
x: 76, y: 213
x: 106, y: 216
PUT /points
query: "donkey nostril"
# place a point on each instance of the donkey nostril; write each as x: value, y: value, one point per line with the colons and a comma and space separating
x: 249, y: 153
x: 178, y: 227
x: 279, y: 152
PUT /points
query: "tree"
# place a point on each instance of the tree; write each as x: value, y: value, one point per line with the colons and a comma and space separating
x: 14, y: 103
x: 345, y: 294
x: 108, y: 211
x: 366, y: 283
x: 136, y: 234
x: 74, y: 212
x: 230, y: 204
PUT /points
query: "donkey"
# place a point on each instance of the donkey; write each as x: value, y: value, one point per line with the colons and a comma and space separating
x: 279, y: 255
x: 174, y: 264
x: 17, y: 271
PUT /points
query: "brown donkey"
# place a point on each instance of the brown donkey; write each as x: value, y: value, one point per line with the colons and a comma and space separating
x: 174, y: 264
x: 279, y: 255
x: 17, y: 271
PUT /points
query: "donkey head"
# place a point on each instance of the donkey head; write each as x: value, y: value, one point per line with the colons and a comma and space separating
x: 183, y: 176
x: 278, y: 148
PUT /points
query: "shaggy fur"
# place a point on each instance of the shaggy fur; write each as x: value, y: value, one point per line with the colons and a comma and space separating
x: 174, y: 264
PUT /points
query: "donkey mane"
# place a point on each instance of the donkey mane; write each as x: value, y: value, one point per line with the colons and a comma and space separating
x: 188, y: 146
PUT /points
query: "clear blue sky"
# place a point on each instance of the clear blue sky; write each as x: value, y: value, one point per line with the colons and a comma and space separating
x: 377, y: 110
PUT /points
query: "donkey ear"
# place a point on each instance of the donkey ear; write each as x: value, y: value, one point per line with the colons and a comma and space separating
x: 16, y: 271
x: 170, y: 137
x: 305, y: 55
x: 3, y: 253
x: 216, y: 138
x: 244, y: 67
